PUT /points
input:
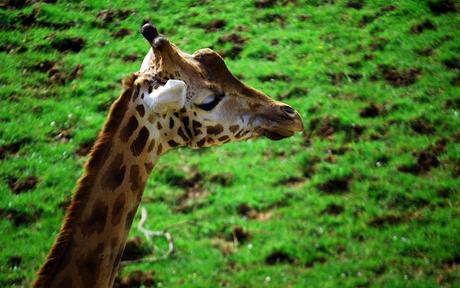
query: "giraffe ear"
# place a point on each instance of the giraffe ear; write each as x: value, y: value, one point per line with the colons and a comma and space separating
x: 168, y: 98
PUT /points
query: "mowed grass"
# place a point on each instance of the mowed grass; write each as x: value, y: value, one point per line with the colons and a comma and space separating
x: 367, y: 196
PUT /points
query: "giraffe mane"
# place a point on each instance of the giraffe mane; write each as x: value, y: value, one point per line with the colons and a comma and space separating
x: 57, y: 255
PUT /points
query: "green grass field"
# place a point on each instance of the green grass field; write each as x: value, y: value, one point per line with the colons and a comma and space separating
x: 367, y: 196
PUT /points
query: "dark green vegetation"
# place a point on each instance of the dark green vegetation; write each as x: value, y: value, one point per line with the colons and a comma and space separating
x: 367, y: 196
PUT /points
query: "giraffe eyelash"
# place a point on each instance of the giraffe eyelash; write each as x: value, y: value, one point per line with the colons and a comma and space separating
x: 210, y: 102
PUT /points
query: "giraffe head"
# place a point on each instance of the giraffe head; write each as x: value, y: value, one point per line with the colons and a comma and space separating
x: 213, y: 106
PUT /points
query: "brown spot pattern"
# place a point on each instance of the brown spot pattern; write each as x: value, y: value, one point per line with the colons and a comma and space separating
x: 129, y: 219
x: 173, y: 143
x: 97, y: 219
x: 186, y: 122
x: 135, y: 92
x: 65, y: 283
x: 140, y: 109
x: 138, y: 145
x: 160, y: 149
x: 240, y: 134
x: 128, y: 130
x: 151, y: 146
x: 148, y: 167
x: 214, y: 130
x: 171, y: 123
x: 201, y: 142
x: 159, y: 125
x: 135, y: 179
x: 117, y: 209
x: 115, y: 173
x: 234, y: 128
x: 89, y: 266
x: 195, y: 126
x: 223, y: 138
x: 181, y: 134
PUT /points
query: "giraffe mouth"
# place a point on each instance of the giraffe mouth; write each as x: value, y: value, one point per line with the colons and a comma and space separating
x: 277, y: 135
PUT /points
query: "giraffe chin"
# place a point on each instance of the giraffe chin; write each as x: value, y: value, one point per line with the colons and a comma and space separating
x: 277, y: 135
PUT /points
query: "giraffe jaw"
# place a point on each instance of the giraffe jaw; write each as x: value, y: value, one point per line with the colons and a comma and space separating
x: 277, y: 135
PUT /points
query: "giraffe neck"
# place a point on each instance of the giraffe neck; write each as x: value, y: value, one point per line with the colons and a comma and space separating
x: 91, y: 241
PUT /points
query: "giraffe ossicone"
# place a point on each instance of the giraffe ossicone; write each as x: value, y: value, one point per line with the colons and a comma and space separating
x: 176, y: 99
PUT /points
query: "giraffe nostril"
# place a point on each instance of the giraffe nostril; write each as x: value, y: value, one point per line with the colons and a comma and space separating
x: 289, y: 111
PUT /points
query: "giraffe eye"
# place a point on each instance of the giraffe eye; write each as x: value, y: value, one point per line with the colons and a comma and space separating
x: 210, y: 102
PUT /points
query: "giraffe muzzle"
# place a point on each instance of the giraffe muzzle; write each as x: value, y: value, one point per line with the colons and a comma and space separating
x: 281, y: 122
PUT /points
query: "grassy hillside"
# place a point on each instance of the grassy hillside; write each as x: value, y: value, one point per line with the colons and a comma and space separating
x: 367, y: 196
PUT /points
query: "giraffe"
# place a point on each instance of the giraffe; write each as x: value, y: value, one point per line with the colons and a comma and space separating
x: 176, y: 99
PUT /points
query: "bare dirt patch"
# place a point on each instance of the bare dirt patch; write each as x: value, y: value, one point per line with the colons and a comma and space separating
x: 233, y: 38
x: 191, y: 200
x: 279, y: 257
x: 109, y: 15
x: 355, y: 4
x: 192, y: 181
x: 372, y: 110
x: 135, y: 249
x: 452, y: 63
x: 425, y: 52
x: 309, y: 167
x: 122, y: 33
x: 421, y: 27
x: 274, y: 18
x: 379, y: 44
x: 19, y: 218
x: 238, y: 234
x: 57, y: 71
x: 252, y: 213
x: 274, y: 77
x: 422, y: 126
x: 399, y: 77
x: 294, y: 93
x: 215, y: 25
x: 18, y: 186
x: 12, y: 48
x: 453, y: 103
x: 326, y: 126
x: 84, y: 148
x: 265, y: 3
x: 135, y: 278
x: 73, y: 44
x: 340, y: 78
x: 13, y: 147
x: 455, y: 81
x: 333, y: 209
x: 14, y: 262
x: 313, y: 261
x: 369, y: 18
x: 442, y: 7
x: 62, y: 135
x: 237, y: 45
x: 336, y: 185
x: 129, y: 58
x: 223, y: 179
x: 385, y: 220
x: 426, y: 159
x: 292, y: 181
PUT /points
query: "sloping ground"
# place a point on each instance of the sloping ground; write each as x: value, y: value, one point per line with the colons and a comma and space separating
x: 367, y: 196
